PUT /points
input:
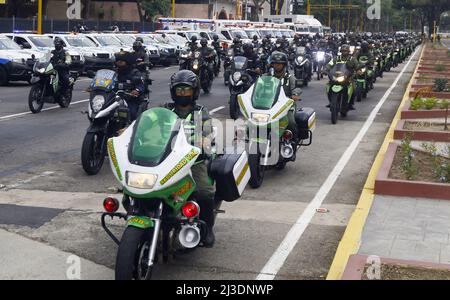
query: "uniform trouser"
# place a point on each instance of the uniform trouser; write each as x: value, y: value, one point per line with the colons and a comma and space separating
x: 204, y: 193
x: 64, y: 79
x: 292, y: 125
x: 134, y: 106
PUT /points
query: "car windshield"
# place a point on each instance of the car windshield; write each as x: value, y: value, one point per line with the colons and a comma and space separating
x: 7, y: 44
x: 42, y: 41
x: 277, y: 33
x: 236, y: 33
x: 126, y: 39
x: 221, y: 36
x: 191, y: 34
x: 266, y: 32
x: 107, y: 40
x: 147, y: 40
x: 152, y: 136
x: 78, y: 41
x: 251, y: 34
x: 315, y: 29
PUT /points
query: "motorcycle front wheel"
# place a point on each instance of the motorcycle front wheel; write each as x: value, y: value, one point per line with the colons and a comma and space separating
x: 91, y: 158
x: 234, y: 107
x: 334, y: 107
x: 35, y: 99
x: 64, y: 100
x: 133, y: 253
x: 256, y: 170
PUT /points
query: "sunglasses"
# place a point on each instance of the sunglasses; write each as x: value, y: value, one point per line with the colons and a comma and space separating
x: 184, y: 91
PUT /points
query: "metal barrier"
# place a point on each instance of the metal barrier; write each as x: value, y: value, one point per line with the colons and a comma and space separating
x: 50, y: 25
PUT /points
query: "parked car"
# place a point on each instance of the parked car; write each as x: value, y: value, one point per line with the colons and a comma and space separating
x: 95, y: 58
x: 15, y: 64
x: 44, y: 44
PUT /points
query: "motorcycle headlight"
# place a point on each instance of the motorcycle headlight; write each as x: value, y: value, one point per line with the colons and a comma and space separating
x: 320, y: 56
x: 236, y: 76
x: 141, y: 180
x: 41, y: 70
x: 195, y: 65
x: 363, y: 70
x: 197, y: 54
x: 376, y: 63
x: 260, y: 118
x: 339, y: 78
x: 97, y: 103
x: 299, y: 60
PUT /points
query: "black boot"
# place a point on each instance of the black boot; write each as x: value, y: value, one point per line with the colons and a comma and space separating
x: 207, y: 215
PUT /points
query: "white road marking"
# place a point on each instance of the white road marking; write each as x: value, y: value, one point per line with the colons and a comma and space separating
x: 277, y: 260
x: 22, y: 182
x: 45, y: 109
x: 216, y: 109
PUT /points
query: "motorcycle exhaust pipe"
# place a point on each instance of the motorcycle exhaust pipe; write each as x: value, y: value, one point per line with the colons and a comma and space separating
x: 189, y: 236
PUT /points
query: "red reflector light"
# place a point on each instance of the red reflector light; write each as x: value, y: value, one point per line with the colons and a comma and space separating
x: 111, y: 205
x: 287, y: 135
x: 190, y: 209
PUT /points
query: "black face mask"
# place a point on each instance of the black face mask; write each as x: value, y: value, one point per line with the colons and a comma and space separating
x: 183, y: 101
x: 136, y: 48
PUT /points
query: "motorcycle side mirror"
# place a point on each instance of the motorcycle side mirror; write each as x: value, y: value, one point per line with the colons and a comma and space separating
x: 90, y: 74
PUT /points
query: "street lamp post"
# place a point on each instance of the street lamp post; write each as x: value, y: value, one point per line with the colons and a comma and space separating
x: 39, y: 17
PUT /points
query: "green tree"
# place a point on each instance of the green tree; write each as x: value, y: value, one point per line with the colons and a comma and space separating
x: 152, y: 8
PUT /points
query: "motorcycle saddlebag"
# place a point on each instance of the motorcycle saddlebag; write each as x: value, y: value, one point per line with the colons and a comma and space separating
x: 231, y: 173
x: 306, y: 121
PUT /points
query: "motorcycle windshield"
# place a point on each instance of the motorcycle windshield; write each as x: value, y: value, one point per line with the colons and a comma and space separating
x: 104, y: 79
x: 340, y: 69
x: 239, y: 63
x: 152, y: 136
x: 266, y: 92
x: 301, y: 50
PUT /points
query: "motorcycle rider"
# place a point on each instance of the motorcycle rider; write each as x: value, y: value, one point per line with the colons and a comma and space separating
x: 133, y: 78
x: 352, y: 66
x: 142, y: 62
x: 208, y: 54
x: 255, y: 42
x: 185, y: 89
x: 279, y: 69
x: 254, y: 63
x: 192, y: 45
x: 237, y: 46
x: 61, y: 61
x: 218, y: 48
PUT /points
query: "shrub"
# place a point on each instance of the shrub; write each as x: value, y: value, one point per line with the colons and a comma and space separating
x: 439, y: 68
x: 416, y: 103
x: 430, y: 103
x: 407, y: 166
x: 440, y: 84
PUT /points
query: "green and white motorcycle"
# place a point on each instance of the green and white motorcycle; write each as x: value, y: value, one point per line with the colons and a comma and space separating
x: 152, y: 160
x: 339, y: 90
x: 271, y: 143
x: 46, y: 86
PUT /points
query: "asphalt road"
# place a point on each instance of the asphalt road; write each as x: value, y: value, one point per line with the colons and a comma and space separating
x: 41, y: 152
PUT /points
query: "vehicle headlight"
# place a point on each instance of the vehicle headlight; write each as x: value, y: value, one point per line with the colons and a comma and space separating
x: 260, y: 118
x: 141, y: 180
x: 363, y: 70
x: 376, y: 63
x: 197, y: 54
x: 41, y: 70
x: 97, y: 103
x: 340, y: 78
x: 299, y: 59
x: 195, y: 65
x: 236, y: 76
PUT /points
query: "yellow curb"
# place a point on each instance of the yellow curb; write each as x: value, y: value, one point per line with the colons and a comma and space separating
x: 351, y: 239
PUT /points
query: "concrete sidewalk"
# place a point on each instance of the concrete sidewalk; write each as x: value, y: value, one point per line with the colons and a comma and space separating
x: 24, y: 259
x: 408, y: 228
